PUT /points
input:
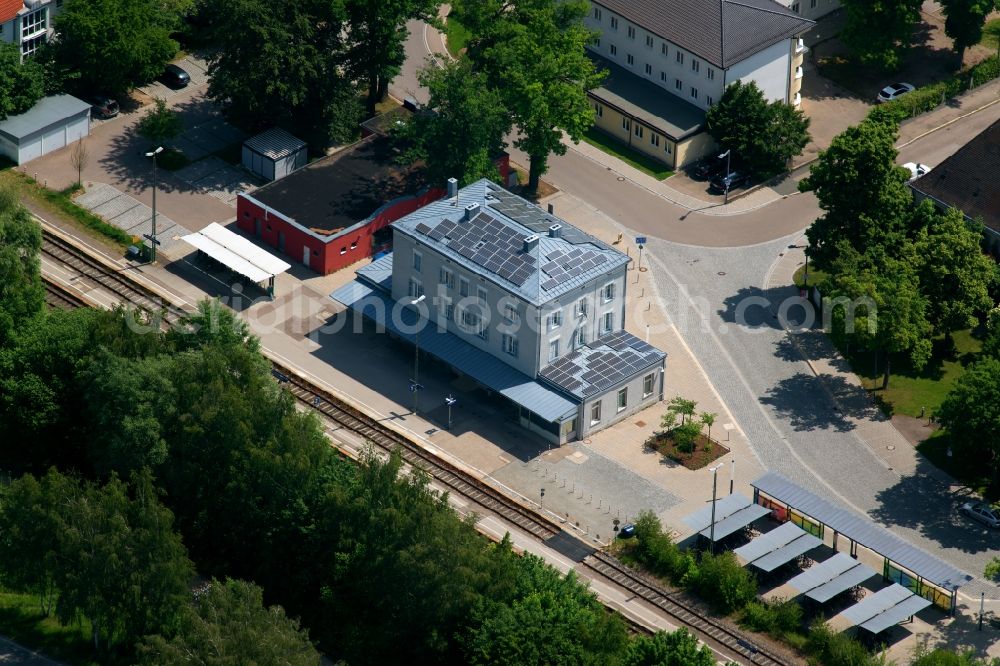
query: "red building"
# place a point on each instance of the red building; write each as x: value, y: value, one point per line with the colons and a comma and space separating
x: 336, y: 211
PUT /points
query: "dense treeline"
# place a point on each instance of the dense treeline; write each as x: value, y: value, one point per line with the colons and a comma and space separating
x: 225, y: 477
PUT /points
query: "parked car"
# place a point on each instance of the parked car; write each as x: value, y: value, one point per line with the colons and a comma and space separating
x: 916, y: 169
x: 103, y: 106
x: 982, y: 512
x: 627, y: 531
x: 894, y: 91
x: 175, y: 77
x: 707, y: 168
x: 723, y: 182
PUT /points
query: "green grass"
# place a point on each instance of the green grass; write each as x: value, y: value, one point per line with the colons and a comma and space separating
x: 630, y: 156
x: 991, y: 33
x: 62, y: 202
x: 815, y: 277
x: 909, y: 390
x: 22, y: 622
x: 456, y: 34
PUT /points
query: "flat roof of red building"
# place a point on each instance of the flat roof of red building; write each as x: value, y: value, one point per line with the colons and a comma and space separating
x: 346, y: 188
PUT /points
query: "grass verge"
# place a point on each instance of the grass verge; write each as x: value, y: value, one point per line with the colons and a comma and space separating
x: 628, y: 155
x: 21, y: 621
x: 816, y: 278
x: 61, y: 202
x: 456, y: 35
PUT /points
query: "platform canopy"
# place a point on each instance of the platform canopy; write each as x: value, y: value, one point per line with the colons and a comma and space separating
x: 236, y: 253
x: 877, y: 612
x: 825, y: 580
x: 782, y: 544
x: 732, y: 513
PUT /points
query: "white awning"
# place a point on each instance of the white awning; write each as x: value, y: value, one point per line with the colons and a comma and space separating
x: 236, y: 253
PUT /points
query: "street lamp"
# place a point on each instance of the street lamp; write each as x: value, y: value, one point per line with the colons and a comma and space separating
x: 711, y: 537
x: 726, y: 155
x: 152, y: 236
x: 450, y: 401
x: 415, y: 384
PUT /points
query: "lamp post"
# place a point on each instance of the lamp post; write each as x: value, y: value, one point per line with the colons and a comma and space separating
x: 415, y: 386
x: 732, y: 477
x: 715, y: 474
x: 152, y: 236
x: 727, y: 156
x: 450, y: 401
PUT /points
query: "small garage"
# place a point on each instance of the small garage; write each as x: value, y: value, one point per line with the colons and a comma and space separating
x: 274, y: 154
x: 52, y: 123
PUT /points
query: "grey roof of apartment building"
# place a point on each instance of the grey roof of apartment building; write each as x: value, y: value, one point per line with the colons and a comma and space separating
x: 494, y: 242
x: 723, y: 32
x: 602, y: 364
x: 647, y: 102
x: 46, y: 111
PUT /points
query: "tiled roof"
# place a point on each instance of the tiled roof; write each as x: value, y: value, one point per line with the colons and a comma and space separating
x: 968, y: 179
x: 9, y: 9
x: 723, y: 32
x: 601, y: 365
x: 493, y: 242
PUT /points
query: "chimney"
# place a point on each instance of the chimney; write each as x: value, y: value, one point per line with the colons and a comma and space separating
x: 530, y: 242
x: 470, y: 211
x: 555, y: 231
x: 452, y: 188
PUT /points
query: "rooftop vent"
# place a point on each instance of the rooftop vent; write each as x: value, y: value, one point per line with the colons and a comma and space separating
x: 555, y: 231
x: 452, y: 188
x: 471, y: 211
x: 530, y: 242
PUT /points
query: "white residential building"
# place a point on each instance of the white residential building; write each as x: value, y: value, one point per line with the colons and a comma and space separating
x: 27, y: 23
x: 811, y: 9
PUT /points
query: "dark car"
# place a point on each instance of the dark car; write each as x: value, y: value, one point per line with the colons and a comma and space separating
x: 708, y: 168
x: 175, y: 77
x: 103, y: 106
x: 627, y: 531
x: 721, y: 183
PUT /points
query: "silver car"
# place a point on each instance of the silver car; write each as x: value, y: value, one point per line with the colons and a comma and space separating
x: 982, y: 512
x: 894, y: 91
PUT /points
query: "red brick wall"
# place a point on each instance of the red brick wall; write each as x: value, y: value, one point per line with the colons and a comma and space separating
x: 325, y: 257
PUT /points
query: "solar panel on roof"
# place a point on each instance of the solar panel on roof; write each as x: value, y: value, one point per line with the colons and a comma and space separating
x: 423, y: 228
x: 896, y: 614
x: 877, y: 603
x: 845, y: 581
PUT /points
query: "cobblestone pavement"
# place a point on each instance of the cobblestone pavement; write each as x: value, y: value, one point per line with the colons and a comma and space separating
x: 129, y: 214
x: 809, y: 421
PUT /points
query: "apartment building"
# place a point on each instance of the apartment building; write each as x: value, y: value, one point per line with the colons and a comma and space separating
x: 671, y: 60
x: 27, y: 23
x: 811, y: 9
x: 522, y: 302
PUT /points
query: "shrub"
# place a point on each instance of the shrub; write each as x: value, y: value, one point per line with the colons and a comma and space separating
x: 722, y: 582
x: 655, y: 549
x: 833, y: 649
x: 930, y: 97
x: 778, y: 618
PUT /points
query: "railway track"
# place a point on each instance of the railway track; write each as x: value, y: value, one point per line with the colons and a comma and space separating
x: 714, y: 633
x: 718, y: 636
x: 131, y: 291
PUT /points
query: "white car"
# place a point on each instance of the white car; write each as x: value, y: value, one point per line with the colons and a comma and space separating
x: 982, y: 512
x: 894, y: 91
x: 916, y: 169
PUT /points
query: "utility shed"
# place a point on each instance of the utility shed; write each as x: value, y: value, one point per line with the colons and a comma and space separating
x: 274, y: 154
x: 52, y: 123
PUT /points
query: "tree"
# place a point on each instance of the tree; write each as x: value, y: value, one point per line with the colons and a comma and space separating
x: 464, y: 128
x: 879, y: 31
x: 877, y: 304
x: 955, y: 275
x: 21, y: 83
x: 79, y: 159
x: 377, y: 32
x: 708, y: 420
x: 229, y: 624
x: 532, y: 53
x: 763, y: 136
x: 971, y: 414
x: 22, y: 293
x: 964, y: 21
x: 114, y: 45
x: 161, y: 124
x: 683, y: 407
x: 862, y: 191
x: 991, y: 345
x: 212, y: 324
x: 284, y: 63
x: 677, y: 648
x: 992, y: 569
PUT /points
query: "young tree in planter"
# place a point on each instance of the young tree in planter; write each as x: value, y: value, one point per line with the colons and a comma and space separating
x: 532, y: 53
x: 763, y: 136
x: 879, y: 31
x: 964, y: 21
x: 683, y: 407
x: 161, y: 124
x: 708, y: 420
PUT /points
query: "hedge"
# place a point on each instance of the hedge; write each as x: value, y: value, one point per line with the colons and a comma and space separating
x: 930, y: 97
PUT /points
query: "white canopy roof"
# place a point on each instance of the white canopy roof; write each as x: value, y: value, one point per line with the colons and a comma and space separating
x: 236, y: 252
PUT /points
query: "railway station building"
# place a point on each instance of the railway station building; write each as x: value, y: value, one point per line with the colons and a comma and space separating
x: 525, y: 304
